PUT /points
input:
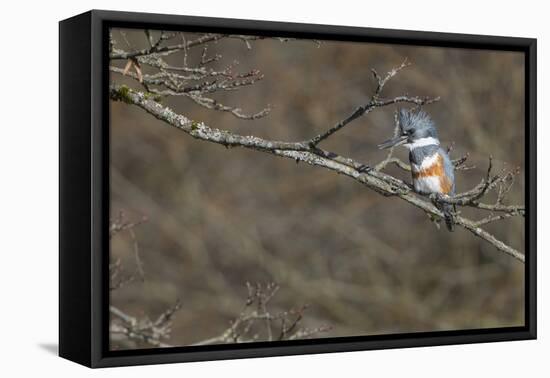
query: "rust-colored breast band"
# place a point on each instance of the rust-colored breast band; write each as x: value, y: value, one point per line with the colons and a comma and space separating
x: 435, y: 169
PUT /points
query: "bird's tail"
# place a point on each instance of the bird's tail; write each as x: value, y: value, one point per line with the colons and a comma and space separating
x: 447, y: 209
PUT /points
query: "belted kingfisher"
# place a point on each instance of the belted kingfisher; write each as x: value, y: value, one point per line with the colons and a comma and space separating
x: 432, y: 169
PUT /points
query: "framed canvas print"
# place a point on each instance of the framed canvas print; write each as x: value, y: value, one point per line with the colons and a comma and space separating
x: 233, y: 188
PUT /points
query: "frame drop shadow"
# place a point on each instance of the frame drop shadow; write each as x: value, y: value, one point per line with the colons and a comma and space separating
x: 52, y: 348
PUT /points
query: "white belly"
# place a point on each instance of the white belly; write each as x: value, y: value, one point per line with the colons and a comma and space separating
x: 429, y: 184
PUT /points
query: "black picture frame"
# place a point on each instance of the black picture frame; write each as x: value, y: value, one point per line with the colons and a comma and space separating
x: 84, y: 189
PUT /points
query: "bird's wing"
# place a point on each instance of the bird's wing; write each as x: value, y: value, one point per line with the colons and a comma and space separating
x: 448, y: 168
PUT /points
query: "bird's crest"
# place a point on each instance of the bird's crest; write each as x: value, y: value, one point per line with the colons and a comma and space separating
x: 410, y: 119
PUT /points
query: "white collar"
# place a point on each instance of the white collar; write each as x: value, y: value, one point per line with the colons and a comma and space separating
x: 429, y: 141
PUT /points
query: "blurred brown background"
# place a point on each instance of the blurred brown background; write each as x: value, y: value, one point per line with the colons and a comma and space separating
x: 365, y: 264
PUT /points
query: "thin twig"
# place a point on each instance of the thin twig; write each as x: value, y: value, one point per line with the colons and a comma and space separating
x: 373, y: 103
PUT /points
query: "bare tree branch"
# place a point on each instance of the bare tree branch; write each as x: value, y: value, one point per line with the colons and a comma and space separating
x: 303, y: 151
x: 143, y: 330
x: 278, y: 325
x: 118, y: 278
x: 256, y: 322
x: 119, y: 54
x: 374, y: 102
x: 199, y: 82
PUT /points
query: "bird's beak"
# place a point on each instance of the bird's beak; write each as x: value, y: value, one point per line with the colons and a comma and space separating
x: 397, y: 141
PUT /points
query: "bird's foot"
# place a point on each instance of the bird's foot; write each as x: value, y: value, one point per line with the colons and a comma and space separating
x: 435, y: 198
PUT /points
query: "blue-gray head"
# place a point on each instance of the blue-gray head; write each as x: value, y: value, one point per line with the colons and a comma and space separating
x: 414, y: 125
